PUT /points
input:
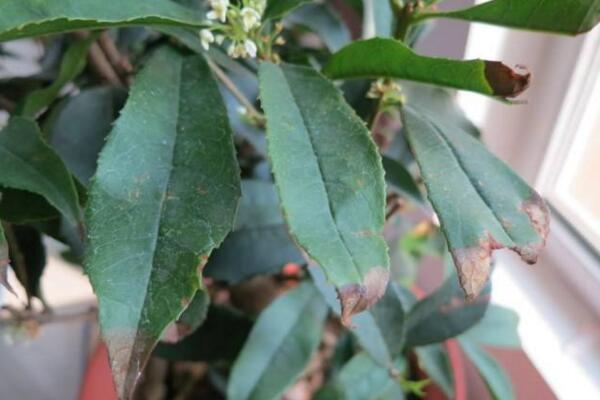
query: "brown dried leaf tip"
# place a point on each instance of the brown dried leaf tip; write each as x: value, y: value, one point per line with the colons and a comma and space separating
x: 506, y: 82
x: 128, y: 352
x: 355, y: 298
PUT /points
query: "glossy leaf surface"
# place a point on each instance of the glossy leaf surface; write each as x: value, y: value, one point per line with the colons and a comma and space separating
x: 25, y: 18
x: 280, y: 345
x: 375, y: 58
x: 330, y: 181
x: 163, y: 198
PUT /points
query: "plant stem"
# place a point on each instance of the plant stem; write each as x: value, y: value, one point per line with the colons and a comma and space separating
x: 237, y: 93
x: 405, y: 19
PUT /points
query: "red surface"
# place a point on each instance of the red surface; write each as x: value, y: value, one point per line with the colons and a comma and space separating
x: 98, y: 383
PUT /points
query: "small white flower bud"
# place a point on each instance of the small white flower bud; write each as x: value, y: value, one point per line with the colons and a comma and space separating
x: 250, y: 18
x: 250, y: 48
x: 206, y: 38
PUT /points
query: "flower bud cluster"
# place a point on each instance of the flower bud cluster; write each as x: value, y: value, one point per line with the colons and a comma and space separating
x: 238, y: 25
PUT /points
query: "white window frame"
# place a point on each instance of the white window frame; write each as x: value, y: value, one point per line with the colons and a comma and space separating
x: 558, y: 300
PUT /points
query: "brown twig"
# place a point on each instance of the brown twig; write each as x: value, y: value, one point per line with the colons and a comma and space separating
x: 100, y: 64
x: 120, y: 62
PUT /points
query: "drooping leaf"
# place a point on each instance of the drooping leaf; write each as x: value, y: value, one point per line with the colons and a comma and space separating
x: 280, y: 345
x: 220, y: 338
x: 28, y: 255
x: 322, y: 19
x: 390, y: 58
x: 497, y: 328
x: 73, y: 137
x: 28, y: 163
x: 163, y: 198
x: 560, y: 16
x: 401, y: 179
x: 363, y: 379
x: 25, y: 18
x: 433, y: 360
x: 444, y: 314
x: 330, y: 181
x: 73, y: 63
x: 259, y: 244
x: 482, y: 204
x: 278, y: 8
x: 492, y: 373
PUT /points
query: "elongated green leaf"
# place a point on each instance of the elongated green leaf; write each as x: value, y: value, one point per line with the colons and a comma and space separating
x: 401, y: 179
x: 28, y: 163
x: 220, y: 338
x: 481, y: 203
x: 323, y: 20
x: 278, y: 8
x: 280, y: 345
x: 164, y: 196
x: 362, y: 379
x: 560, y: 16
x: 497, y: 328
x: 330, y: 181
x: 30, y: 262
x: 492, y: 373
x: 443, y: 314
x: 260, y: 243
x: 24, y: 18
x: 433, y: 360
x: 4, y: 260
x: 391, y: 58
x: 73, y: 63
x: 72, y: 136
x: 22, y: 207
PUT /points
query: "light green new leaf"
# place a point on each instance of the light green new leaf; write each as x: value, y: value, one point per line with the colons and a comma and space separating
x: 28, y: 163
x: 280, y: 345
x: 362, y: 379
x: 25, y: 18
x: 278, y: 8
x: 330, y: 180
x: 492, y: 373
x: 481, y: 203
x: 163, y: 198
x: 561, y: 16
x: 72, y: 64
x: 390, y: 58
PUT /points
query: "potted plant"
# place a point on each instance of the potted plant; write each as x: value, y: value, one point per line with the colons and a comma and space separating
x: 252, y: 189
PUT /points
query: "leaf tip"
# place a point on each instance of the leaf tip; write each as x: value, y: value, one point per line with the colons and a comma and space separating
x: 473, y: 266
x: 358, y: 297
x: 505, y: 81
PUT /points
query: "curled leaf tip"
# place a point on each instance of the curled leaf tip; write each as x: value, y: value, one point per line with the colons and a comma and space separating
x: 505, y: 81
x: 358, y: 297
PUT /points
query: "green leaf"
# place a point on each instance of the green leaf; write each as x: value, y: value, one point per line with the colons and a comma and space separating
x: 28, y: 163
x: 278, y: 8
x: 362, y: 379
x: 481, y: 203
x: 259, y: 244
x: 497, y: 328
x: 560, y: 16
x: 492, y: 373
x: 323, y: 20
x: 401, y: 179
x: 433, y: 360
x: 443, y: 315
x: 25, y: 18
x: 330, y: 180
x: 390, y: 58
x: 220, y: 338
x: 22, y: 207
x: 73, y: 137
x: 4, y: 260
x: 280, y: 345
x: 73, y: 63
x: 163, y: 198
x: 29, y: 258
x: 191, y: 319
